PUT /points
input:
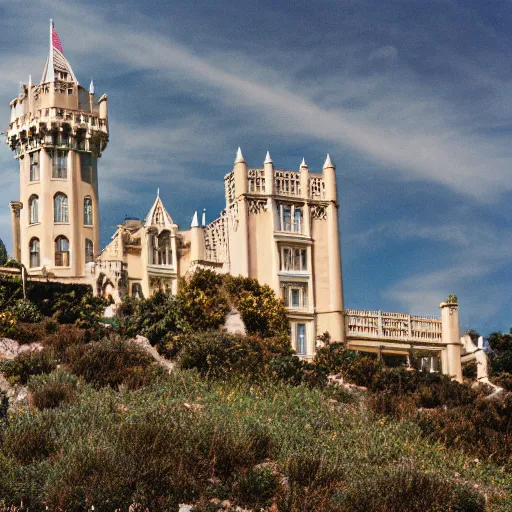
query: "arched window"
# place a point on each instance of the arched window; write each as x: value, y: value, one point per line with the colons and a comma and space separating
x: 35, y: 260
x: 61, y: 252
x: 34, y: 166
x: 137, y: 291
x: 87, y: 211
x: 60, y: 208
x: 33, y: 209
x: 89, y: 251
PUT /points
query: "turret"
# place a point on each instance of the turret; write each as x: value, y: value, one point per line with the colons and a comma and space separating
x: 57, y: 134
x: 240, y: 172
x: 268, y: 166
x: 329, y: 172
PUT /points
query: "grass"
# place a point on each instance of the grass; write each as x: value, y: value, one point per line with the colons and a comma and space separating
x: 185, y: 439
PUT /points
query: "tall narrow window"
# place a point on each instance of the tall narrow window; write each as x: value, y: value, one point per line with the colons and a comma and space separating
x: 34, y: 253
x: 33, y: 209
x: 290, y: 218
x: 87, y: 211
x: 301, y: 339
x: 59, y: 164
x: 34, y: 166
x: 137, y: 291
x: 60, y: 208
x: 89, y: 251
x: 86, y: 167
x: 61, y: 251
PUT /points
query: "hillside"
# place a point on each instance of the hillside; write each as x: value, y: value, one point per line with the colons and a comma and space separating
x: 235, y: 420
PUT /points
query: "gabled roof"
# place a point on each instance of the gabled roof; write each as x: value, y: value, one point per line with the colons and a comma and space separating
x: 158, y: 215
x: 56, y: 62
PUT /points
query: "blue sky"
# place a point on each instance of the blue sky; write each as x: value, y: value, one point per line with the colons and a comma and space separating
x: 412, y: 100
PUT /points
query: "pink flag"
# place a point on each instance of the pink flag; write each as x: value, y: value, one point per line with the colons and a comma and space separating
x: 56, y: 41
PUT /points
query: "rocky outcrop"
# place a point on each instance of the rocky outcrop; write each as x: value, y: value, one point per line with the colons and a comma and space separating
x: 143, y: 343
x: 10, y: 349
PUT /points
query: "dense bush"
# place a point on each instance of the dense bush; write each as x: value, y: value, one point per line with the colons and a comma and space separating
x: 111, y: 362
x: 482, y: 428
x: 222, y: 355
x: 26, y: 364
x: 263, y: 313
x: 49, y: 391
x: 406, y: 489
x: 25, y: 311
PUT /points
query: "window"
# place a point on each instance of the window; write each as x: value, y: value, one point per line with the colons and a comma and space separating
x: 59, y: 164
x: 295, y: 295
x: 87, y: 211
x: 34, y: 166
x: 301, y: 339
x: 290, y: 218
x: 86, y: 167
x: 89, y: 251
x: 33, y: 209
x: 60, y: 208
x: 70, y: 92
x: 161, y: 252
x: 34, y: 253
x: 61, y: 252
x: 293, y: 259
x: 137, y: 291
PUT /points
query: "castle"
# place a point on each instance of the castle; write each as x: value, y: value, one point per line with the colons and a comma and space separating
x: 279, y: 226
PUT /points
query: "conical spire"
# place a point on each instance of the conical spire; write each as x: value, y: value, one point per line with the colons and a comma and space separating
x: 303, y: 163
x: 268, y: 160
x: 57, y: 67
x: 203, y: 220
x: 91, y: 87
x: 195, y: 221
x: 239, y: 157
x: 328, y: 163
x: 158, y: 215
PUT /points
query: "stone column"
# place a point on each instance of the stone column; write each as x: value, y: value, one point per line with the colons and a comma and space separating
x: 16, y: 207
x: 451, y: 338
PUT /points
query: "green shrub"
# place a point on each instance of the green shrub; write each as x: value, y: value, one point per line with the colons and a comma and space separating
x: 256, y: 487
x: 220, y: 355
x: 111, y: 362
x: 504, y: 380
x: 406, y: 489
x: 482, y: 428
x: 25, y: 311
x: 26, y: 364
x: 49, y: 391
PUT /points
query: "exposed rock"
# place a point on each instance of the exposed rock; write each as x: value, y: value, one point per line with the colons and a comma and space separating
x: 143, y: 342
x: 234, y: 323
x: 339, y: 381
x: 10, y: 349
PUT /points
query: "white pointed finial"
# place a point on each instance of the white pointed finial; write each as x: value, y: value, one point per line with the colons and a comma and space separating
x: 203, y: 220
x: 239, y: 157
x: 328, y: 163
x: 195, y: 222
x: 303, y: 163
x: 268, y: 160
x: 158, y: 192
x: 91, y: 87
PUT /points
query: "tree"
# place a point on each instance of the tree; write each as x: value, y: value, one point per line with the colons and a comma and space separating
x: 3, y: 253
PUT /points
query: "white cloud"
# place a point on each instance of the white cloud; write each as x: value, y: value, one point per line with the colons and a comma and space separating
x: 384, y: 52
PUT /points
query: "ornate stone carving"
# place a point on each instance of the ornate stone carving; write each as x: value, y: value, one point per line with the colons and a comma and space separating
x: 316, y: 187
x: 216, y: 239
x: 319, y: 211
x: 287, y: 183
x: 233, y: 215
x: 257, y: 205
x: 256, y: 181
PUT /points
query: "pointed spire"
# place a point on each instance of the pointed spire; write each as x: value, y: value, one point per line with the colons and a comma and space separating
x: 239, y: 157
x: 195, y: 222
x: 268, y: 160
x: 328, y: 163
x: 303, y: 163
x: 158, y: 192
x: 91, y: 87
x: 203, y: 220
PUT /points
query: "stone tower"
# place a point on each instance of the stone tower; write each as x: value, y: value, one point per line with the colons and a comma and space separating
x: 57, y: 130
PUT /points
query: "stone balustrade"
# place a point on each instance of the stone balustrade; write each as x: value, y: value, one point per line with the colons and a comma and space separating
x: 380, y: 325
